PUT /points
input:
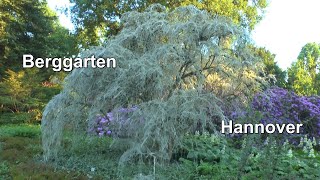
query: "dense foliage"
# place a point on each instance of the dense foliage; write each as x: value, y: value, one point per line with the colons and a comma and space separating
x: 212, y: 157
x: 304, y: 74
x: 281, y: 106
x: 276, y: 76
x: 96, y: 20
x: 29, y: 27
x: 109, y: 124
x: 202, y: 156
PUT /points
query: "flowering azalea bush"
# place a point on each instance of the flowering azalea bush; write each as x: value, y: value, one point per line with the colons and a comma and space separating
x: 280, y: 106
x: 102, y: 124
x: 107, y: 125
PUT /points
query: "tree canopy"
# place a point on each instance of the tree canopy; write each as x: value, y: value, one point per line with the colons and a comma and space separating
x: 100, y: 19
x: 184, y: 69
x: 276, y: 76
x: 30, y: 27
x: 303, y: 75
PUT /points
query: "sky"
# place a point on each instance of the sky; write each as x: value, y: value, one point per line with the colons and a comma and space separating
x: 56, y: 4
x: 286, y: 27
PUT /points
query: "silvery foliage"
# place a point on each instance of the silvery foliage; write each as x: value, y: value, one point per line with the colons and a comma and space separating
x: 164, y: 60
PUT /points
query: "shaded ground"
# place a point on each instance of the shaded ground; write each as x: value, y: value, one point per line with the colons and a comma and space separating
x: 20, y: 151
x: 21, y: 158
x: 92, y: 158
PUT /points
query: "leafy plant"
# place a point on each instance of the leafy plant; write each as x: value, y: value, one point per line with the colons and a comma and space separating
x: 303, y: 75
x: 205, y: 147
x: 24, y: 97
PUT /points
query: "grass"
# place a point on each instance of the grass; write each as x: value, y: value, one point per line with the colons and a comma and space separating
x: 22, y: 130
x: 20, y: 155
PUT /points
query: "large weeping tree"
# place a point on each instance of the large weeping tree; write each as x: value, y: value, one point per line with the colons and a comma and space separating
x: 178, y: 67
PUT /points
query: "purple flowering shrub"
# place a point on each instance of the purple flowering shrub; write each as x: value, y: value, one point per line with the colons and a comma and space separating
x: 112, y: 122
x: 102, y: 125
x: 276, y: 105
x: 280, y: 106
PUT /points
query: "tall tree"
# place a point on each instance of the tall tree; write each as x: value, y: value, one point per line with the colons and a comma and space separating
x: 30, y: 27
x: 303, y: 75
x: 277, y: 76
x: 100, y: 19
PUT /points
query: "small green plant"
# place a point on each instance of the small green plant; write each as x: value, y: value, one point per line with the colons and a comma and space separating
x: 4, y: 170
x: 205, y: 147
x: 209, y: 156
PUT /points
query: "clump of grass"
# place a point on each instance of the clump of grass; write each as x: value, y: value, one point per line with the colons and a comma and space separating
x: 22, y: 130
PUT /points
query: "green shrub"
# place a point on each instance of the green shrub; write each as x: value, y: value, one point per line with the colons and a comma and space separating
x: 45, y: 93
x: 15, y: 118
x: 205, y: 147
x: 23, y: 96
x: 209, y: 156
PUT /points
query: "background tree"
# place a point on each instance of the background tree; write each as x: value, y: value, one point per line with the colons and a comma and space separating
x: 23, y: 96
x: 30, y: 27
x: 100, y: 19
x: 303, y: 75
x: 277, y: 76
